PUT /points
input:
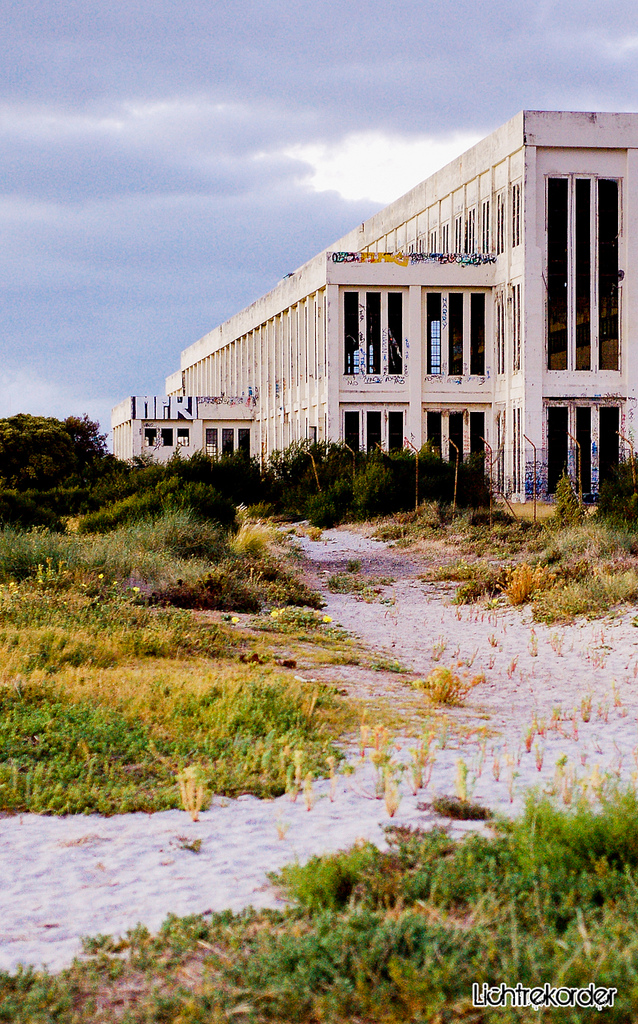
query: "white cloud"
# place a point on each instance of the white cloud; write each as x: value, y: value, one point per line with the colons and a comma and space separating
x: 376, y: 166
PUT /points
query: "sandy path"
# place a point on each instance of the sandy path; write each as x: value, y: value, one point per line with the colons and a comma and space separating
x: 83, y: 875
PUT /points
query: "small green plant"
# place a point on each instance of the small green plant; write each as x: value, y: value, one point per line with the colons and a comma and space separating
x: 191, y: 791
x: 444, y: 686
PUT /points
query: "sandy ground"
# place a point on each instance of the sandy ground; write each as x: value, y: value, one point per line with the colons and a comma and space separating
x: 83, y: 875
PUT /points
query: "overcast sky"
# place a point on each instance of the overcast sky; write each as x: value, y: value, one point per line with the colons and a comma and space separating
x: 162, y: 164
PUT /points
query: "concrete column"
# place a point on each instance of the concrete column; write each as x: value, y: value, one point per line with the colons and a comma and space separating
x: 413, y: 357
x: 333, y: 362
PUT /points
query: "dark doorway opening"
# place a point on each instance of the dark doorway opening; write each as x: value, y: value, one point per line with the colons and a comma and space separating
x: 556, y: 445
x: 395, y: 431
x: 608, y: 446
x: 434, y: 431
x: 456, y: 436
x: 351, y: 430
x: 477, y: 431
x: 583, y: 436
x: 373, y: 430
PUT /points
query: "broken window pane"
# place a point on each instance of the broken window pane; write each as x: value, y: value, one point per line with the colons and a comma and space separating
x: 557, y: 273
x: 477, y: 333
x: 583, y: 274
x: 434, y: 332
x: 351, y: 331
x: 373, y: 331
x: 455, y: 367
x: 395, y: 332
x: 608, y: 273
x: 167, y: 437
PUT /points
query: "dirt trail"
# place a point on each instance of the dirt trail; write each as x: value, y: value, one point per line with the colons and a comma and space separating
x: 528, y: 667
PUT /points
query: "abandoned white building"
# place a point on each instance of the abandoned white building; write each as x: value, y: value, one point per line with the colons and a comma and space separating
x: 492, y: 304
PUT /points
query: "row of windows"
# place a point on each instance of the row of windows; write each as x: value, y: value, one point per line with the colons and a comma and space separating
x: 227, y: 440
x: 164, y: 437
x: 473, y: 230
x: 582, y: 273
x: 373, y: 333
x: 460, y: 430
x: 364, y: 430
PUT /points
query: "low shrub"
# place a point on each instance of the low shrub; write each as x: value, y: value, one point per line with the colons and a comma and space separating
x: 444, y: 686
x: 525, y: 581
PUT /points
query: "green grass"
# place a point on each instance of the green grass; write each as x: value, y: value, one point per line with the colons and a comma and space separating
x: 108, y: 691
x: 383, y: 936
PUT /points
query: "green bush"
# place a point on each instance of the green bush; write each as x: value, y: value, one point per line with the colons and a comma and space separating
x: 568, y: 510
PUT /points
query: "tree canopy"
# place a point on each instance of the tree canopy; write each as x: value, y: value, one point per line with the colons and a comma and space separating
x: 43, y: 452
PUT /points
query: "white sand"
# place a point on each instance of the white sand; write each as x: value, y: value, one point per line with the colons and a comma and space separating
x: 63, y: 878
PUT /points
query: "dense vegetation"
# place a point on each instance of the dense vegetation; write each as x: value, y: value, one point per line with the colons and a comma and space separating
x: 52, y: 469
x: 384, y: 937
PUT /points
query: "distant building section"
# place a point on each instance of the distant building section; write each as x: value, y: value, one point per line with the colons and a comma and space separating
x: 159, y: 426
x: 491, y: 309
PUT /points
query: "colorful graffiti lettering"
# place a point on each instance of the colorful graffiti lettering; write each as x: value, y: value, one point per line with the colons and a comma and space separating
x: 463, y: 259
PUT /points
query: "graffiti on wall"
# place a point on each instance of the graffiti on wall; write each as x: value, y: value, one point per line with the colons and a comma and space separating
x: 463, y: 259
x: 248, y: 400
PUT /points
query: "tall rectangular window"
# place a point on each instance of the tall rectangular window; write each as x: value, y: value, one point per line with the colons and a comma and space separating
x: 477, y: 334
x: 434, y: 332
x: 458, y: 234
x: 351, y: 430
x: 351, y: 331
x: 582, y: 271
x: 456, y: 436
x: 583, y: 453
x: 500, y: 223
x: 243, y: 440
x: 395, y: 332
x: 432, y: 241
x: 445, y: 238
x: 434, y: 431
x: 557, y: 195
x: 470, y: 231
x: 228, y: 440
x: 516, y: 453
x: 477, y: 432
x: 608, y: 441
x: 373, y: 332
x: 516, y: 214
x: 556, y: 445
x: 455, y: 329
x: 516, y: 327
x: 485, y: 226
x: 373, y: 430
x: 608, y: 273
x: 395, y: 431
x: 211, y: 442
x: 500, y: 333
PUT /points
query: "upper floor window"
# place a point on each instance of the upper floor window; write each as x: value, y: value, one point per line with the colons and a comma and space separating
x: 485, y: 226
x: 582, y: 307
x: 433, y: 241
x: 458, y: 234
x: 445, y: 238
x: 516, y: 214
x: 470, y: 231
x: 373, y: 332
x: 500, y: 223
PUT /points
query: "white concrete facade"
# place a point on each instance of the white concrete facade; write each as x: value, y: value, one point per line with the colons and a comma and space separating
x: 492, y: 303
